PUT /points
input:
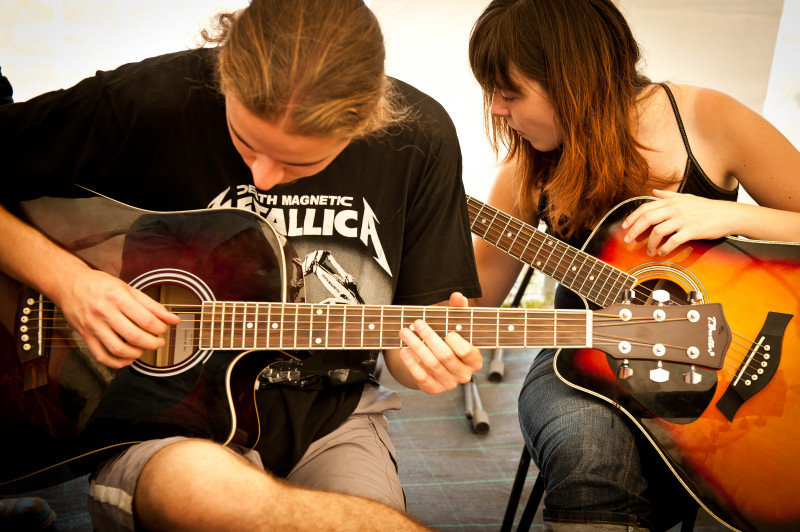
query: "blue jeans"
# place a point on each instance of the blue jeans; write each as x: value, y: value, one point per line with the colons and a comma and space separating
x: 597, y: 466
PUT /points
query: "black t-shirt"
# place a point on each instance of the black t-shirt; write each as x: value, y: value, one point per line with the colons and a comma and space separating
x: 384, y: 223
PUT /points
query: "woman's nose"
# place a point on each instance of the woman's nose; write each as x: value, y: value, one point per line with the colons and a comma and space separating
x: 499, y: 107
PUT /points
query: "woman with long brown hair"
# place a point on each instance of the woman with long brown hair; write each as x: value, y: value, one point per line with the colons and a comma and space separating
x: 581, y: 129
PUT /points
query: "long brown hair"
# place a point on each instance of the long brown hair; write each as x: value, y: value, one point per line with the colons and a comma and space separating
x: 584, y: 55
x: 314, y: 66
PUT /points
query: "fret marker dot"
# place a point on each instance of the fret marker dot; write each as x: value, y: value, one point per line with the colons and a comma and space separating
x: 510, y: 327
x: 318, y: 341
x: 549, y: 242
x: 411, y: 326
x: 508, y: 234
x: 539, y: 263
x: 591, y: 277
x: 319, y: 312
x: 458, y: 327
x: 249, y: 325
x: 274, y: 325
x: 371, y: 326
x: 574, y: 269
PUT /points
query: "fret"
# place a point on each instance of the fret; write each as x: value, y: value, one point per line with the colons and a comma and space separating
x: 519, y: 243
x: 559, y: 271
x: 613, y: 290
x: 205, y: 328
x: 216, y: 330
x: 437, y: 318
x: 237, y: 330
x: 502, y: 235
x: 590, y: 275
x: 304, y: 328
x: 273, y: 333
x: 478, y: 219
x: 337, y: 326
x: 513, y: 328
x: 372, y: 327
x: 240, y: 325
x: 524, y: 254
x: 392, y: 323
x: 252, y: 326
x: 545, y: 266
x: 484, y: 327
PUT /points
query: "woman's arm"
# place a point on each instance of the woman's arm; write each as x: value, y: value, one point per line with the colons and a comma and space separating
x: 732, y: 143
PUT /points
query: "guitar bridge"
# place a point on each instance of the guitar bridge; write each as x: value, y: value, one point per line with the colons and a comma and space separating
x: 33, y: 321
x: 758, y: 367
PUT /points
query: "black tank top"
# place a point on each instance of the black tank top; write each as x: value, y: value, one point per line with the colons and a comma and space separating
x: 695, y: 181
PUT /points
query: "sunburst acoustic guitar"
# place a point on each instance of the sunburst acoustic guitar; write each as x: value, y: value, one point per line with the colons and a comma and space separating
x: 729, y: 434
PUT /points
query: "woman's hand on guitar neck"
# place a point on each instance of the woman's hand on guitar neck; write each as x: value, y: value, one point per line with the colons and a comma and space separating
x: 117, y: 322
x: 431, y: 363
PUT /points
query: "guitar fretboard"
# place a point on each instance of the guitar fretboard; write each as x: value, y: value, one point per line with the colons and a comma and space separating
x: 582, y: 273
x: 248, y: 325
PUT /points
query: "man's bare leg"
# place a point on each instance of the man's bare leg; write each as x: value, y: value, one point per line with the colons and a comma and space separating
x: 198, y: 485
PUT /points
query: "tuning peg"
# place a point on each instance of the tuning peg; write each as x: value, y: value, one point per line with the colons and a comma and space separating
x: 694, y: 297
x: 662, y: 296
x: 659, y: 374
x: 627, y: 296
x: 692, y: 376
x: 625, y: 371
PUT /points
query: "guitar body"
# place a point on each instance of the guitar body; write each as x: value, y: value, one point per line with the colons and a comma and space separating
x: 730, y: 436
x: 62, y: 411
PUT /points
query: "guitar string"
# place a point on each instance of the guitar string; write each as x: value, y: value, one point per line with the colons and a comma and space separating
x: 570, y: 330
x: 535, y: 235
x: 727, y: 364
x: 476, y: 210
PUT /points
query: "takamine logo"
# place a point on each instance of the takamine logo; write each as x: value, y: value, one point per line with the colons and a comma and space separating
x: 712, y: 327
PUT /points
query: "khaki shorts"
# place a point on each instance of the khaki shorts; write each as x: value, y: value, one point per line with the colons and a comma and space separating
x: 327, y: 465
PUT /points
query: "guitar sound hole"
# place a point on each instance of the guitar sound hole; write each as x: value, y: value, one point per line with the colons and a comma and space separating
x: 181, y: 339
x: 644, y: 292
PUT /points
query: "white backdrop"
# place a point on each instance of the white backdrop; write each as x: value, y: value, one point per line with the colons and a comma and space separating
x: 728, y: 45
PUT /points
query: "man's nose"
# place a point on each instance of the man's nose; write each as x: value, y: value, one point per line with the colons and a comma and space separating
x: 267, y: 172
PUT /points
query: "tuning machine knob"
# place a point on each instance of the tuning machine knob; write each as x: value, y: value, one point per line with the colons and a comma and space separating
x: 692, y: 376
x: 625, y: 371
x: 659, y: 374
x: 661, y: 296
x: 627, y: 296
x: 694, y: 297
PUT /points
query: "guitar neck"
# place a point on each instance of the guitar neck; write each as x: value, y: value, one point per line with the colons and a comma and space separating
x: 293, y: 326
x: 582, y: 273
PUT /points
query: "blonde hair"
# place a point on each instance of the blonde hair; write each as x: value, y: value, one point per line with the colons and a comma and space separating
x: 316, y: 67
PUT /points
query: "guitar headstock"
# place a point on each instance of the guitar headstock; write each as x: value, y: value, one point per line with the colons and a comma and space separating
x: 688, y: 334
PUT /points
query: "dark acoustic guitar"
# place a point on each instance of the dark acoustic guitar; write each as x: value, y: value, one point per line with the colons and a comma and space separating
x: 729, y: 434
x: 238, y: 288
